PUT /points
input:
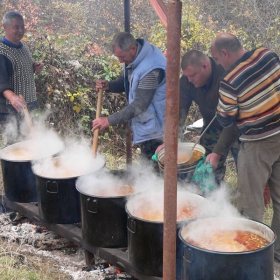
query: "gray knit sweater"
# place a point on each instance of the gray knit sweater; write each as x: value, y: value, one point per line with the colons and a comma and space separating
x: 16, y: 73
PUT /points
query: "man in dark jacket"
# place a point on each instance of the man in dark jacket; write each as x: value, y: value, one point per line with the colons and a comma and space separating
x: 200, y: 84
x: 16, y: 73
x: 143, y: 81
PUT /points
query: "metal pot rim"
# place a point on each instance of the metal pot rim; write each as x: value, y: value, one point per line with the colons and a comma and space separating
x: 190, y: 195
x: 70, y: 177
x: 201, y: 220
x: 122, y: 176
x: 183, y: 146
x: 102, y: 196
x: 2, y: 152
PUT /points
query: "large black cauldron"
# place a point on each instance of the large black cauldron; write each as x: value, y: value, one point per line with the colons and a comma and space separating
x: 58, y: 199
x: 104, y: 218
x: 16, y: 161
x: 201, y: 264
x: 145, y: 237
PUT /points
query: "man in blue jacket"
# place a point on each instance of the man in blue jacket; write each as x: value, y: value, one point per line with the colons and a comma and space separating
x: 143, y: 80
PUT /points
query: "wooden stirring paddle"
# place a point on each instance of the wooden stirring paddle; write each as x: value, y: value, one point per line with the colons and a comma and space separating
x: 28, y: 119
x: 96, y: 132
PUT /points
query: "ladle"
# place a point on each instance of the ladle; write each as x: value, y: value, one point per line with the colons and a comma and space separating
x: 28, y: 118
x: 96, y: 132
x: 191, y: 152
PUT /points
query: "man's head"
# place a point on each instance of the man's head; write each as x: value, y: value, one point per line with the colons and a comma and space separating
x: 13, y: 24
x: 196, y: 66
x: 124, y: 47
x: 226, y: 50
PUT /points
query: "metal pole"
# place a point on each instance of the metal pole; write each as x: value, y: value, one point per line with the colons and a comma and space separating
x: 127, y: 16
x: 161, y: 11
x: 128, y: 134
x: 171, y: 138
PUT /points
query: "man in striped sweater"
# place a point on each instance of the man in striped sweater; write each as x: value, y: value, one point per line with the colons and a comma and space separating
x: 250, y: 96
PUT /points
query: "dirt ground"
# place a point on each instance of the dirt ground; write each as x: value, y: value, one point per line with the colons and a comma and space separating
x: 18, y: 235
x: 277, y: 270
x: 40, y: 242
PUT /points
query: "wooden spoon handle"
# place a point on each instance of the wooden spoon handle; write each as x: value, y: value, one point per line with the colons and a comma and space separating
x: 28, y: 118
x: 96, y: 132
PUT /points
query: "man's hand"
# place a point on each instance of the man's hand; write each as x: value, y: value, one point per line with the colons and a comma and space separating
x: 160, y: 147
x: 38, y: 67
x: 102, y: 84
x: 17, y: 102
x: 213, y: 158
x: 100, y: 123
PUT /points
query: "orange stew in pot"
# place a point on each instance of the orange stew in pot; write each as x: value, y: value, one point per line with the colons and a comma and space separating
x: 196, y: 155
x: 229, y: 241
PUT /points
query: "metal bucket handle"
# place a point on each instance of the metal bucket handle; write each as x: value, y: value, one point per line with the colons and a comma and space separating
x: 92, y: 205
x: 52, y: 187
x: 188, y: 256
x: 131, y: 224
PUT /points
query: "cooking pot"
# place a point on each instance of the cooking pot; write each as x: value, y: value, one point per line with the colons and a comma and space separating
x: 185, y: 170
x: 58, y: 199
x: 103, y: 210
x: 145, y: 228
x: 184, y: 149
x: 16, y: 160
x: 206, y: 264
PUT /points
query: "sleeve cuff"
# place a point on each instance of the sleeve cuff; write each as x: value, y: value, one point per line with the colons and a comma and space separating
x: 225, y: 121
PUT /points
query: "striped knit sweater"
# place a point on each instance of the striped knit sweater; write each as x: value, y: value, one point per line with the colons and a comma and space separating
x: 250, y: 95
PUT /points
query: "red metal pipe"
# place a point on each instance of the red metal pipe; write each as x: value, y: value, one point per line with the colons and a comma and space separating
x: 171, y: 138
x: 161, y: 11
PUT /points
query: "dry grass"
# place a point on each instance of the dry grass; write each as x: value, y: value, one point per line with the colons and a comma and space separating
x: 24, y: 266
x: 231, y: 179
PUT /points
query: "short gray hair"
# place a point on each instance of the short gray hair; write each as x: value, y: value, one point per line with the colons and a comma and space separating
x: 193, y: 58
x: 124, y: 41
x: 9, y: 16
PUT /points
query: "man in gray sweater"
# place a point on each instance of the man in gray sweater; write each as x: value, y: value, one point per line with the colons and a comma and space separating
x: 16, y: 73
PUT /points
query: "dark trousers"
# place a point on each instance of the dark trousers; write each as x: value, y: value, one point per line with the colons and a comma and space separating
x: 147, y: 151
